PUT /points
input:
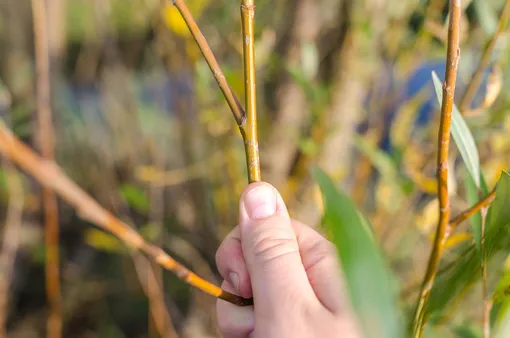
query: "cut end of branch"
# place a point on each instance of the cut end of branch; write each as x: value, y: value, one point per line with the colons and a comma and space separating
x: 236, y: 300
x: 248, y: 4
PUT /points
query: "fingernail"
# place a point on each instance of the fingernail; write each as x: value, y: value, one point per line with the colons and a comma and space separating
x: 234, y: 280
x: 260, y: 202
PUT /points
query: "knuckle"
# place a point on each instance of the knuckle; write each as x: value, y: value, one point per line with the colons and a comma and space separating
x: 270, y: 242
x: 321, y: 251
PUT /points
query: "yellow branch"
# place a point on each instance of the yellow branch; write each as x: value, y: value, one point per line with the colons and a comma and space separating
x: 52, y: 177
x: 250, y: 129
x: 452, y: 60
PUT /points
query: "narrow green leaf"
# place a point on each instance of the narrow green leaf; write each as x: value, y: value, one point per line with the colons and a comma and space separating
x: 135, y: 197
x: 503, y: 331
x: 388, y: 169
x: 499, y: 312
x: 462, y: 136
x: 473, y: 196
x: 483, y: 185
x: 467, y: 330
x: 476, y: 219
x: 498, y: 217
x: 486, y: 16
x: 379, y: 159
x: 465, y: 271
x: 502, y: 290
x: 369, y: 281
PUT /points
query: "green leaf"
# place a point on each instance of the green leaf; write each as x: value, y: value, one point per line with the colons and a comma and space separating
x: 499, y: 312
x: 498, y: 217
x: 476, y: 219
x: 503, y: 331
x: 135, y: 197
x: 462, y: 136
x: 455, y: 278
x: 370, y: 283
x: 502, y: 291
x: 468, y: 329
x: 483, y: 185
x: 486, y: 16
x: 473, y: 197
x: 309, y: 60
x: 309, y: 147
x: 379, y: 159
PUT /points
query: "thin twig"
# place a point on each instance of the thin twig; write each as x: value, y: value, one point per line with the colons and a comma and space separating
x: 10, y: 243
x: 483, y: 203
x: 51, y: 176
x: 476, y: 80
x: 247, y: 121
x: 46, y: 142
x: 250, y: 129
x: 161, y: 318
x: 158, y: 178
x: 454, y: 223
x: 452, y: 60
x: 230, y: 97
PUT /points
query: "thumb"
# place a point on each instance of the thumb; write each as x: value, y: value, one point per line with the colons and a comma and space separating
x: 270, y: 249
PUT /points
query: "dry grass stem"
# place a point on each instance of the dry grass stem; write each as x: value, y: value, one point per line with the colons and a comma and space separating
x: 152, y: 289
x: 476, y: 80
x: 51, y: 176
x: 46, y: 143
x: 11, y: 233
x: 452, y: 60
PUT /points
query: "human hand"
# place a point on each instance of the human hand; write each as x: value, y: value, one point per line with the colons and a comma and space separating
x: 290, y: 270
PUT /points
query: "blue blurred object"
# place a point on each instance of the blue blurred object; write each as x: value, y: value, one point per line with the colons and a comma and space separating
x: 420, y: 79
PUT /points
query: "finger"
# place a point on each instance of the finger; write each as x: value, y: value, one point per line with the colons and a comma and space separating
x: 321, y: 263
x: 318, y: 256
x: 271, y: 250
x: 231, y: 264
x: 234, y: 321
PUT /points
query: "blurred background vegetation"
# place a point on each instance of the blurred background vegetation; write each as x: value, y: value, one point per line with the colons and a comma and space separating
x: 141, y: 125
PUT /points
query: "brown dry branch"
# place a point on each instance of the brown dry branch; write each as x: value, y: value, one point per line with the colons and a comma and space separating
x: 46, y: 142
x: 476, y: 80
x: 51, y: 176
x: 151, y: 287
x: 452, y: 60
x: 161, y: 319
x: 11, y: 233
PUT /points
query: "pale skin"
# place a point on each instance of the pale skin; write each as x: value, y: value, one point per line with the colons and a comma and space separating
x: 291, y: 271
